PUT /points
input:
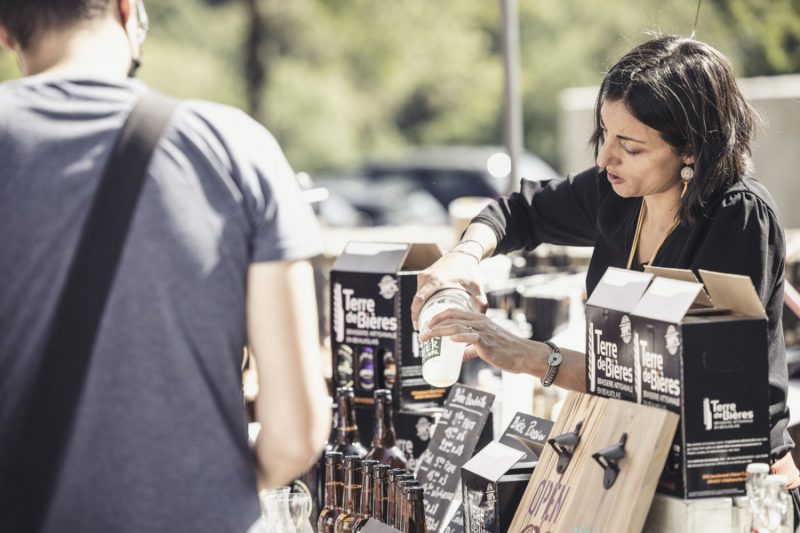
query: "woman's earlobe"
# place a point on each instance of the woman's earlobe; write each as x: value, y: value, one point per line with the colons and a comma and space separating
x: 6, y: 40
x: 124, y: 11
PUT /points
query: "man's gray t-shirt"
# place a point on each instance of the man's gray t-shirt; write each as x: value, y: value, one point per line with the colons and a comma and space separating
x: 160, y: 441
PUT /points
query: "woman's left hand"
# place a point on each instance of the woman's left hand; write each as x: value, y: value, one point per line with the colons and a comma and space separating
x: 487, y: 340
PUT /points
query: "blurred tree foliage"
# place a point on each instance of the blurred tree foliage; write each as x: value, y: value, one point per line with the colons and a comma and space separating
x: 337, y: 80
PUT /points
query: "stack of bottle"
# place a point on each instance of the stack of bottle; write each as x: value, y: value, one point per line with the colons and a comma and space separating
x: 767, y: 507
x: 361, y: 484
x: 369, y: 490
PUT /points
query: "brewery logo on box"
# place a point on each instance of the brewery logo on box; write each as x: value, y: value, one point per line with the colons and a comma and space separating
x: 625, y: 329
x: 388, y: 287
x: 718, y: 415
x: 672, y: 340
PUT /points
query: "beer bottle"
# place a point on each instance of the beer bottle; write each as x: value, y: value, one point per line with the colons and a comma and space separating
x: 346, y: 426
x: 398, y: 497
x: 333, y: 483
x: 366, y: 494
x: 384, y: 448
x: 391, y: 479
x: 379, y: 473
x: 414, y: 518
x: 352, y: 495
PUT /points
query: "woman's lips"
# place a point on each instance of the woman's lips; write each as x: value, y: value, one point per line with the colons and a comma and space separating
x: 614, y: 179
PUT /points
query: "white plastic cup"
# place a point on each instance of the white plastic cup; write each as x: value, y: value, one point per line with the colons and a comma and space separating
x: 442, y: 356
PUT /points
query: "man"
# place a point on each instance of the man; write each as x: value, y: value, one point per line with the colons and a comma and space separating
x: 214, y: 259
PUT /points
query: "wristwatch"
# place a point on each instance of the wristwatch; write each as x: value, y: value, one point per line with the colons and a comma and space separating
x: 553, y: 364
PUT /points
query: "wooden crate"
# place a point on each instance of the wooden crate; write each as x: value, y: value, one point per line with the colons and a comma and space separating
x: 669, y: 514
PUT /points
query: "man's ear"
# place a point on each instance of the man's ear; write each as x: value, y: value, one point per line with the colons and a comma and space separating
x: 6, y: 40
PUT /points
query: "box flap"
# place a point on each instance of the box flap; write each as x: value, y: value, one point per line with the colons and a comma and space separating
x: 494, y: 460
x: 421, y: 256
x: 620, y: 289
x: 734, y: 292
x: 372, y: 257
x: 667, y: 299
x: 702, y: 299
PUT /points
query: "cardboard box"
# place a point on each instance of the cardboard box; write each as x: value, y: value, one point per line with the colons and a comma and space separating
x: 610, y: 366
x: 372, y: 339
x: 494, y: 480
x: 704, y: 356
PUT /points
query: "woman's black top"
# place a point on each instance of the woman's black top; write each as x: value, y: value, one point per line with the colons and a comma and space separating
x: 740, y: 234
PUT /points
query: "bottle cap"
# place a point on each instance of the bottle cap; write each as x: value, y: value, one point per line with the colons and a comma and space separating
x: 352, y: 461
x: 332, y: 456
x: 345, y: 391
x: 758, y: 468
x: 382, y: 394
x: 368, y: 464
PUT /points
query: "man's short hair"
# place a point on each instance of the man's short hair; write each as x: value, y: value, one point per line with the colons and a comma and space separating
x: 24, y: 19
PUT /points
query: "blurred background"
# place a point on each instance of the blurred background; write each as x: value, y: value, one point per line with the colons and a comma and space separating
x: 392, y: 110
x: 343, y: 81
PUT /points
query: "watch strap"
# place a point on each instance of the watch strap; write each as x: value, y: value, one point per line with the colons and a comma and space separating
x: 552, y: 369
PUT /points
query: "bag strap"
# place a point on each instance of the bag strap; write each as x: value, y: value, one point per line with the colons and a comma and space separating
x: 37, y: 454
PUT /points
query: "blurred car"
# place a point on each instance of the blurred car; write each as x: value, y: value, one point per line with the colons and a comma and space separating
x: 417, y: 187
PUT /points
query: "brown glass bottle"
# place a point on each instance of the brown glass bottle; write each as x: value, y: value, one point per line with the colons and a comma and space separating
x: 379, y: 476
x: 366, y: 494
x: 414, y: 516
x: 400, y: 507
x: 391, y: 478
x: 346, y: 426
x: 333, y: 483
x: 398, y: 498
x: 384, y: 448
x: 352, y: 495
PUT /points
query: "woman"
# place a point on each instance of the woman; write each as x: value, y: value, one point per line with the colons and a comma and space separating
x: 672, y: 188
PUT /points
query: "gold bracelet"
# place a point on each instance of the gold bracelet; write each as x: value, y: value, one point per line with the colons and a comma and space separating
x: 454, y: 251
x: 483, y: 250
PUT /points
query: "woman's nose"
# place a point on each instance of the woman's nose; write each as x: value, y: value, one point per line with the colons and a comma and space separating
x: 604, y: 156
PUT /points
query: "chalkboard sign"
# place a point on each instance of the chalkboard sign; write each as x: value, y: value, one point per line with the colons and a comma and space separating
x: 463, y: 418
x: 527, y: 434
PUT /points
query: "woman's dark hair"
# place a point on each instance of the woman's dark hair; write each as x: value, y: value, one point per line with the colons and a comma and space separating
x: 25, y: 19
x: 685, y: 90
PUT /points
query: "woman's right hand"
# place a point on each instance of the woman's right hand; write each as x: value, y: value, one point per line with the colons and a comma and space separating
x: 453, y: 269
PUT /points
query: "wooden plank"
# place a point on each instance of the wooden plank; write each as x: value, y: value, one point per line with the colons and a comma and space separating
x: 576, y: 500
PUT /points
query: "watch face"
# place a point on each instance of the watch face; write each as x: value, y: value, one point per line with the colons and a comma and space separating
x: 554, y: 359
